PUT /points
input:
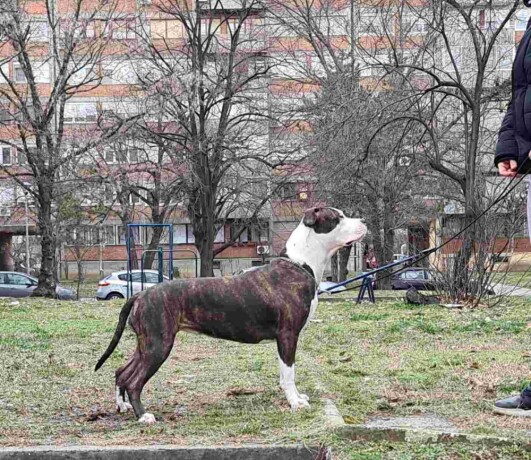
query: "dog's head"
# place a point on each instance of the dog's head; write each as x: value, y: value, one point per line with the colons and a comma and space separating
x: 333, y: 228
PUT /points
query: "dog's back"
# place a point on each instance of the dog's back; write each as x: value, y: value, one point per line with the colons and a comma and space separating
x: 246, y: 308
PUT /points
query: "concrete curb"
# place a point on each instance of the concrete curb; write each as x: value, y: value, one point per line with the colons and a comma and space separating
x: 336, y: 423
x: 363, y: 433
x: 165, y: 452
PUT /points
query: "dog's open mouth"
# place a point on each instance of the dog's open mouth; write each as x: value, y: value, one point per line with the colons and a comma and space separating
x: 349, y: 243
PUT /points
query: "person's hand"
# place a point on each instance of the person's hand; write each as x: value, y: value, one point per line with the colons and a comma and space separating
x: 508, y: 168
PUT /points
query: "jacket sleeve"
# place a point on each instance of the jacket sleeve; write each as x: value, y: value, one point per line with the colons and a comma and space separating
x: 507, y: 147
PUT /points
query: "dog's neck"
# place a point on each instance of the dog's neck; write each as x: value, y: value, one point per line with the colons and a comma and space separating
x: 303, y: 248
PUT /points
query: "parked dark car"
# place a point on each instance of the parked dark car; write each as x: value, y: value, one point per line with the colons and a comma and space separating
x: 422, y: 279
x: 13, y: 284
x: 419, y: 278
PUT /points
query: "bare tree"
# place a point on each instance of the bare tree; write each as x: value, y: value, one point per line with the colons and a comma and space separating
x: 378, y: 174
x: 465, y: 60
x: 47, y: 63
x: 139, y: 180
x: 372, y: 173
x: 209, y: 65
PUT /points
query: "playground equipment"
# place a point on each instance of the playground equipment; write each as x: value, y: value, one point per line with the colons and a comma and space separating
x: 367, y: 278
x: 160, y: 255
x: 132, y: 249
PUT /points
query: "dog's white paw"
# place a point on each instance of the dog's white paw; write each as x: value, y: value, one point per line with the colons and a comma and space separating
x: 303, y: 396
x: 123, y: 407
x: 147, y: 418
x: 299, y: 403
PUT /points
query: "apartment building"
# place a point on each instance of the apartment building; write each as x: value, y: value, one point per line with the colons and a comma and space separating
x: 356, y: 33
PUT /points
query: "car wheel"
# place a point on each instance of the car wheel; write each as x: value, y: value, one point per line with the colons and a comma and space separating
x: 114, y: 296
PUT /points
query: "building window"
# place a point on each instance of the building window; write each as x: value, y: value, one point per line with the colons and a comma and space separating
x: 287, y: 191
x: 133, y: 154
x: 18, y: 73
x: 135, y: 198
x: 22, y: 158
x: 374, y: 24
x: 133, y: 231
x: 122, y: 155
x: 5, y: 155
x: 40, y: 69
x: 506, y: 57
x: 254, y: 232
x: 85, y: 30
x: 120, y: 29
x: 220, y: 235
x: 179, y: 234
x: 39, y: 31
x: 488, y: 20
x: 184, y: 234
x: 5, y: 115
x: 80, y: 112
x: 171, y: 28
x: 521, y: 19
x: 413, y: 25
x: 119, y: 73
x: 82, y: 75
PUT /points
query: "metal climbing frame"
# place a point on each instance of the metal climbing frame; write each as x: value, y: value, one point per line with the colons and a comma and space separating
x: 130, y: 248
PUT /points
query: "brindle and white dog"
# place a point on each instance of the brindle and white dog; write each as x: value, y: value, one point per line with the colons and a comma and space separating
x: 273, y: 302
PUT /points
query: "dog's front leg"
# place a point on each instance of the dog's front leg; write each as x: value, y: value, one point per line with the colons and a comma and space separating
x: 287, y: 345
x: 287, y: 383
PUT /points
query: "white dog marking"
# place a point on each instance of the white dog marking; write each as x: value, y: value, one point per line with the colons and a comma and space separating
x: 121, y: 404
x: 287, y: 383
x: 147, y: 418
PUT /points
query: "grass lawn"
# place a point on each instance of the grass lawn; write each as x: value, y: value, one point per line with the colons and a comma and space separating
x: 521, y: 279
x: 388, y: 359
x: 87, y: 289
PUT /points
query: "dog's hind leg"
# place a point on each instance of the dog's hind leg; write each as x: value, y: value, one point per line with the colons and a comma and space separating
x: 121, y: 404
x: 152, y: 350
x: 287, y: 347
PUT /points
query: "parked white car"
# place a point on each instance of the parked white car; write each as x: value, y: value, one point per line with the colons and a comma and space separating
x: 114, y: 286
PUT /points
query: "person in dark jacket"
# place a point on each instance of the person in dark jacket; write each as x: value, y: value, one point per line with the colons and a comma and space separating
x: 513, y: 153
x: 514, y: 138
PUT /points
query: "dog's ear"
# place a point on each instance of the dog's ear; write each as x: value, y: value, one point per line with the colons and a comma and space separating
x: 310, y: 217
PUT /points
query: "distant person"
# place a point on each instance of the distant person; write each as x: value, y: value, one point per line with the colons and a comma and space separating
x: 370, y: 258
x: 513, y: 153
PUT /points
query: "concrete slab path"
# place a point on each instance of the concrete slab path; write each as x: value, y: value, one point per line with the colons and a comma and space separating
x: 508, y: 290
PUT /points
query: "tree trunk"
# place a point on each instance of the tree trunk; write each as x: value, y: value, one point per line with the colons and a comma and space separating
x: 132, y: 247
x: 203, y: 226
x: 153, y: 245
x: 80, y: 273
x: 203, y: 222
x: 206, y: 266
x: 46, y: 278
x: 344, y: 254
x: 382, y: 232
x: 334, y: 268
x: 388, y: 246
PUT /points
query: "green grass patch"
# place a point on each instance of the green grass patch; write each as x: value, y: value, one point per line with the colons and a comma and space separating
x: 370, y: 359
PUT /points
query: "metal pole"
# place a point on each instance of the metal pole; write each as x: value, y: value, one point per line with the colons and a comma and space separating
x: 101, y: 250
x: 27, y: 233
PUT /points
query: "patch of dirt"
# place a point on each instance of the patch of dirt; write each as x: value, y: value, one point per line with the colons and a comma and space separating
x: 493, y: 420
x: 400, y: 396
x: 189, y: 353
x: 237, y: 391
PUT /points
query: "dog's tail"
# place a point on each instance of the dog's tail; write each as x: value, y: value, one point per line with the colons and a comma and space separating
x: 124, y: 314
